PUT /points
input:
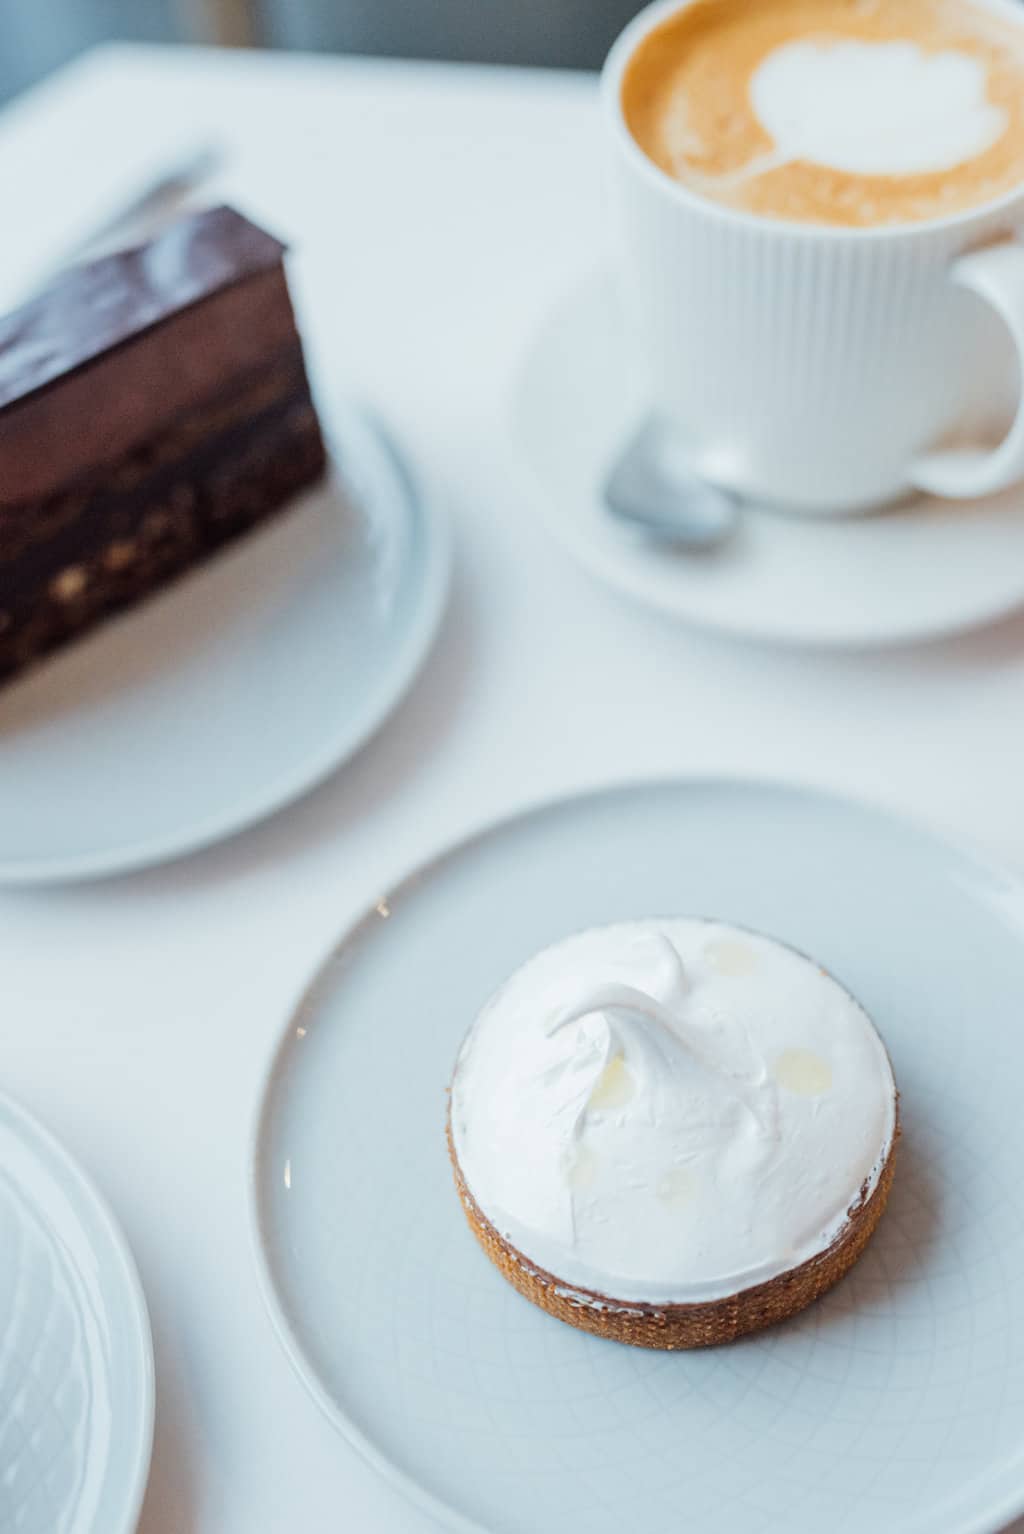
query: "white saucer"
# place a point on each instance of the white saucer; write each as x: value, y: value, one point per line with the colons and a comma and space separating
x: 233, y: 692
x: 76, y: 1360
x: 896, y: 1403
x: 927, y: 569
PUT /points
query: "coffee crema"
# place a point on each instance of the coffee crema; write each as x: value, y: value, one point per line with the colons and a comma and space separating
x: 849, y: 112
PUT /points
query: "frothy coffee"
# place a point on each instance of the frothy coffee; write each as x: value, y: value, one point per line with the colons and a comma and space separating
x: 853, y: 112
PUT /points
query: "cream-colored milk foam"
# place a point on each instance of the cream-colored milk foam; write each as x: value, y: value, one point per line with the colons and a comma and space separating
x: 671, y: 1110
x: 870, y: 109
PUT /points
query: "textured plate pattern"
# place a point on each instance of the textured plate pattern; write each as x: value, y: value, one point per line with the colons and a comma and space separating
x: 76, y: 1389
x: 896, y: 1403
x: 45, y: 1369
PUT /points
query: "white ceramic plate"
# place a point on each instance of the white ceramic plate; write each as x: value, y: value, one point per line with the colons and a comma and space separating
x: 76, y: 1361
x: 928, y: 569
x: 233, y: 692
x: 895, y: 1404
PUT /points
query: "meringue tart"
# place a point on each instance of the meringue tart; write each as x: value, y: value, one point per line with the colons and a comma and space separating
x: 672, y: 1132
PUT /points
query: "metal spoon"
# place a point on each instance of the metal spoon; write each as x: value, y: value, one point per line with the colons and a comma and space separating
x: 652, y: 486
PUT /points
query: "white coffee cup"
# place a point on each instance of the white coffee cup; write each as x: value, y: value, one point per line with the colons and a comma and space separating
x: 816, y: 366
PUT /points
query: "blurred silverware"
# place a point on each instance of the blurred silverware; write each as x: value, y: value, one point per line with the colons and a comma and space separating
x: 151, y: 205
x: 652, y: 486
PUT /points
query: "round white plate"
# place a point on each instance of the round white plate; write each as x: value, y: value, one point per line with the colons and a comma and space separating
x: 234, y: 691
x: 896, y: 1403
x: 926, y: 569
x: 76, y: 1360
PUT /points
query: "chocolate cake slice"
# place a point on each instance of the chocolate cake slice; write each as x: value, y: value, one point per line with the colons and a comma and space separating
x: 153, y: 405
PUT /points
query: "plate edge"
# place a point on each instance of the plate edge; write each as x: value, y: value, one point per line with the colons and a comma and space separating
x: 445, y: 1513
x: 130, y: 1273
x: 434, y: 591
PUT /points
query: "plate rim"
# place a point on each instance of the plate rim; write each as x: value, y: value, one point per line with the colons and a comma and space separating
x: 432, y: 521
x: 34, y: 1132
x: 990, y: 1521
x: 543, y: 504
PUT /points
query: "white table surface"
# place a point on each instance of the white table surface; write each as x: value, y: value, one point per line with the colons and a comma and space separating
x: 434, y: 211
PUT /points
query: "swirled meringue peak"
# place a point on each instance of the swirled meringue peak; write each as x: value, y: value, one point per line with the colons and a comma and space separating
x: 671, y: 1110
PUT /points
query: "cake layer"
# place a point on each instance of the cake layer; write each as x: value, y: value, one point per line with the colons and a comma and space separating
x: 90, y: 309
x: 153, y: 405
x: 67, y: 405
x: 223, y: 468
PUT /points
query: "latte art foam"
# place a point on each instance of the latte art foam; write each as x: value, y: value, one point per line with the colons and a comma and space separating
x: 928, y: 112
x: 854, y: 112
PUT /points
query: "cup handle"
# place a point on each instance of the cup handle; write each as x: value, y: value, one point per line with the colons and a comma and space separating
x: 996, y: 274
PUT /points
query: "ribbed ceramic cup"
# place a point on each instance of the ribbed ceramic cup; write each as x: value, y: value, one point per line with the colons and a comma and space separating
x: 815, y: 366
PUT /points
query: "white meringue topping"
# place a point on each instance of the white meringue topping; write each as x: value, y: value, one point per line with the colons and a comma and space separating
x: 671, y: 1110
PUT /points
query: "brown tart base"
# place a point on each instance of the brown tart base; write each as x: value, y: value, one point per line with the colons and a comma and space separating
x: 670, y: 1327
